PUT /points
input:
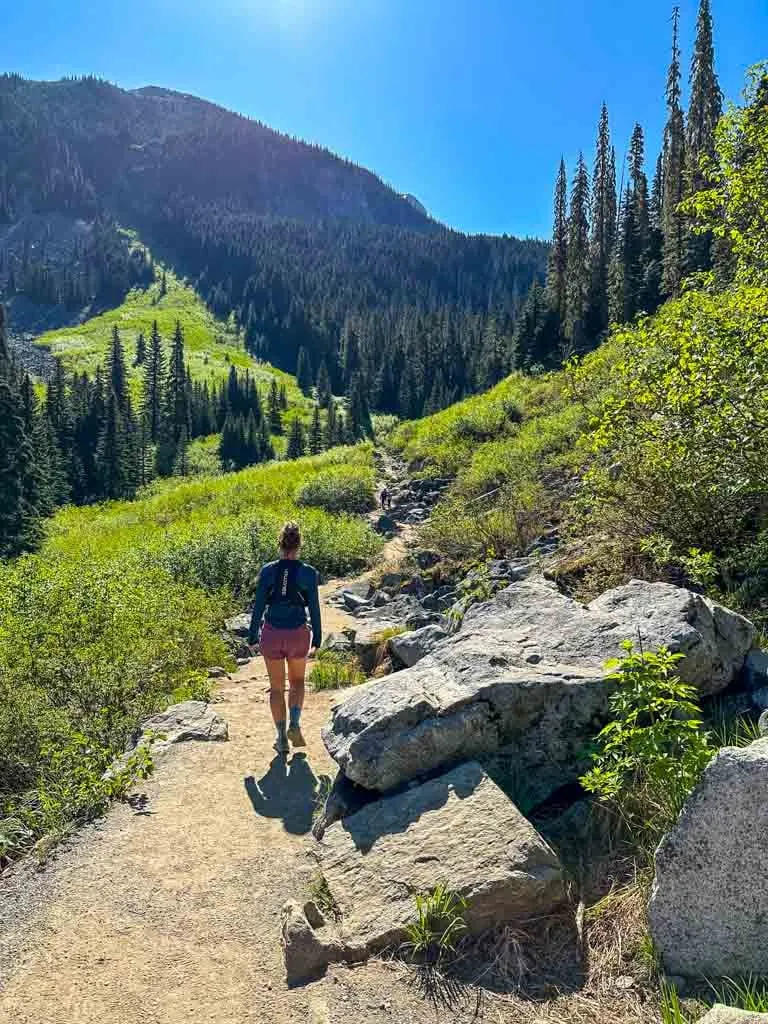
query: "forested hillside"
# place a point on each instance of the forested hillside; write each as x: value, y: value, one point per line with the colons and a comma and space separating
x: 305, y: 250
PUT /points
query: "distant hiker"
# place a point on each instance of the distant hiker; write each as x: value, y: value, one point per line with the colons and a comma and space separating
x: 386, y: 499
x: 286, y: 591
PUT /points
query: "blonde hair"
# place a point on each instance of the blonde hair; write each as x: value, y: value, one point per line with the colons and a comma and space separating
x: 289, y: 538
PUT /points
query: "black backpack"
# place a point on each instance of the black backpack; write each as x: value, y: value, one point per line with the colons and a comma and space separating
x: 285, y: 589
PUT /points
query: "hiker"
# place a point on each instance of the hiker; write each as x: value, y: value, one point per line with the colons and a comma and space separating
x: 286, y: 591
x: 386, y: 500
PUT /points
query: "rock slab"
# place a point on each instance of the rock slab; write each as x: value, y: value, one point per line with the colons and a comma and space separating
x: 709, y: 906
x: 408, y: 648
x: 459, y: 829
x: 526, y: 670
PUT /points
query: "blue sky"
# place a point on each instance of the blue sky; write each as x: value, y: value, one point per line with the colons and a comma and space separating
x: 466, y: 103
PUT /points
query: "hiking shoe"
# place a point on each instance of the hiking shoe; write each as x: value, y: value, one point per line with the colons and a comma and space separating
x: 281, y: 744
x: 295, y: 736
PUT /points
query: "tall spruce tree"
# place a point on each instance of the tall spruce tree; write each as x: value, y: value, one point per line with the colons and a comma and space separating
x: 176, y: 419
x: 673, y: 226
x: 297, y: 442
x: 557, y: 268
x: 19, y: 518
x: 316, y: 432
x: 603, y: 227
x: 323, y: 386
x: 578, y: 264
x: 273, y: 409
x: 704, y: 112
x: 117, y: 375
x: 141, y: 351
x: 304, y: 371
x: 112, y: 453
x: 154, y: 385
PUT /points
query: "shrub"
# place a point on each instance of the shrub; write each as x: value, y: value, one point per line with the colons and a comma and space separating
x: 333, y: 671
x: 438, y: 925
x: 340, y: 489
x: 651, y: 754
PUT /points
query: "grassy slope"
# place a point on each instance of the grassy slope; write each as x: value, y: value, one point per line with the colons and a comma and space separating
x: 211, y: 346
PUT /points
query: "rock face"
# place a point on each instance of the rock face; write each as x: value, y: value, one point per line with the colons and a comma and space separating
x: 408, y: 648
x: 191, y: 720
x: 709, y: 908
x: 526, y: 670
x: 459, y: 829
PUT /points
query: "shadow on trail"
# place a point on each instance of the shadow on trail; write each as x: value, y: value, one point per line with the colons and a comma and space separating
x: 288, y: 791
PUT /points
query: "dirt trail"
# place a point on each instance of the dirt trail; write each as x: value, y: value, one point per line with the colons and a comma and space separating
x: 173, y: 914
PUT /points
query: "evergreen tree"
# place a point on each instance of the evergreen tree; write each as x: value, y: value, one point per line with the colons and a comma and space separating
x: 330, y: 429
x: 536, y: 332
x: 112, y: 453
x: 603, y: 227
x: 273, y: 409
x: 359, y: 417
x: 267, y: 448
x: 558, y: 255
x: 304, y: 371
x: 19, y: 518
x: 117, y: 375
x: 154, y: 385
x: 316, y: 432
x: 141, y: 351
x: 323, y: 386
x: 283, y: 398
x: 176, y: 419
x: 297, y: 444
x: 252, y: 453
x: 673, y: 229
x: 578, y: 264
x: 704, y: 112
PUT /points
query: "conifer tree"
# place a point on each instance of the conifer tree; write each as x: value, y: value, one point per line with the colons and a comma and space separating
x: 704, y: 112
x: 578, y: 264
x: 154, y: 385
x: 176, y: 420
x: 273, y: 409
x: 603, y: 227
x: 316, y: 432
x: 141, y: 351
x: 673, y: 228
x: 266, y: 446
x: 283, y: 398
x: 112, y: 454
x: 297, y: 444
x: 323, y: 386
x: 117, y: 376
x: 359, y: 416
x: 19, y: 518
x: 329, y: 430
x: 558, y: 256
x: 304, y: 371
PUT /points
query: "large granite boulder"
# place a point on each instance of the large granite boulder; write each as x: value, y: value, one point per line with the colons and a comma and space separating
x: 458, y: 829
x: 408, y: 648
x: 526, y: 671
x: 190, y: 720
x: 709, y: 907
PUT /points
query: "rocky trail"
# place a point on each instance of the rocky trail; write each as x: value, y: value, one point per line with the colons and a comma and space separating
x: 173, y: 907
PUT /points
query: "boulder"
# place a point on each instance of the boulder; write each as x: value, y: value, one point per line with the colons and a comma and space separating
x: 762, y: 724
x: 426, y: 559
x: 391, y: 581
x: 756, y: 669
x: 419, y: 619
x: 217, y: 672
x: 191, y: 720
x: 709, y: 907
x: 526, y: 670
x: 408, y: 648
x: 458, y: 829
x: 340, y: 643
x: 759, y: 698
x: 239, y: 625
x: 354, y: 602
x: 359, y: 588
x: 730, y: 1015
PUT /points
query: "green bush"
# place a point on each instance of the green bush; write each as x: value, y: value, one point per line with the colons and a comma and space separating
x: 333, y: 671
x: 342, y: 489
x: 651, y: 754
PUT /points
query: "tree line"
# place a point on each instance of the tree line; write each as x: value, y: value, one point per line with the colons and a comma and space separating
x: 617, y: 253
x: 89, y: 440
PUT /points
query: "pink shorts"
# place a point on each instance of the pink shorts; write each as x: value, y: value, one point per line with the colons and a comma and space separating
x: 284, y: 643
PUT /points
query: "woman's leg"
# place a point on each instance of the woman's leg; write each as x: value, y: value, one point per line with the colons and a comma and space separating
x: 297, y: 668
x: 276, y: 673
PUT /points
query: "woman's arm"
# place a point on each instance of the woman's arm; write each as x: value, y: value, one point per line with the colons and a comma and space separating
x: 313, y: 600
x: 259, y: 604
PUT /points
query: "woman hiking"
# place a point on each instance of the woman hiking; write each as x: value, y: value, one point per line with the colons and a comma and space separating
x: 286, y: 591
